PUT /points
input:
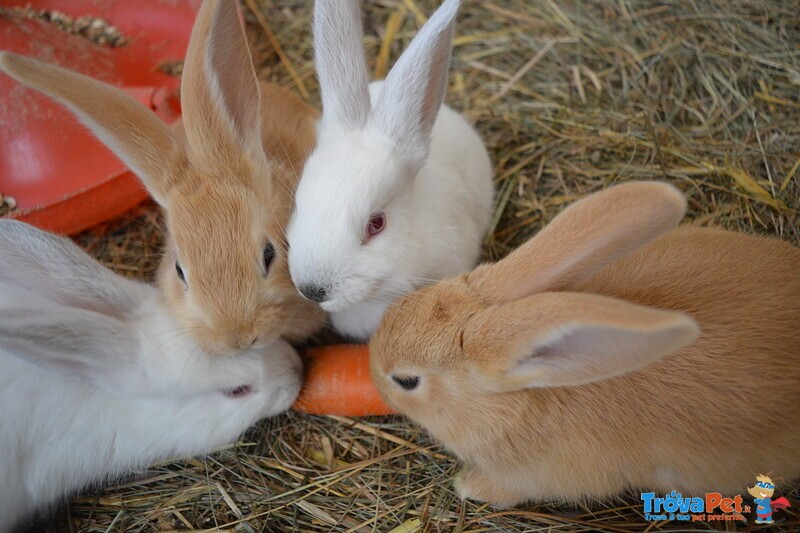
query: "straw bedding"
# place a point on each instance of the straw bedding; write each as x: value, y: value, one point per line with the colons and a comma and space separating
x: 570, y: 97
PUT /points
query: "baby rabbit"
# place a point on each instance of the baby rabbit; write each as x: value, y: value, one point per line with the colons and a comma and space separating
x: 607, y: 353
x: 225, y: 177
x: 97, y: 378
x: 398, y: 192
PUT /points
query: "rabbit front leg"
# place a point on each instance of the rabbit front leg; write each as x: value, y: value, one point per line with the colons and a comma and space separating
x: 472, y: 483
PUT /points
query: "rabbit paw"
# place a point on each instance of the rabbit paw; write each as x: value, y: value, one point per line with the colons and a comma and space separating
x: 472, y: 484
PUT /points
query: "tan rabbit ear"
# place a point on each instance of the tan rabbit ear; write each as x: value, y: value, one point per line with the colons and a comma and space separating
x: 587, y: 236
x: 566, y: 339
x: 133, y: 132
x: 220, y: 97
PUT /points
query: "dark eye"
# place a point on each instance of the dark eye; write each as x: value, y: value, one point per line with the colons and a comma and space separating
x: 269, y: 255
x: 406, y: 382
x: 377, y: 221
x: 179, y: 270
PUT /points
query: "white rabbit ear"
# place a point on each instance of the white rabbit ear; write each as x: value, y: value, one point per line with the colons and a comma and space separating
x: 70, y: 341
x: 340, y: 63
x: 220, y: 95
x: 55, y: 268
x: 133, y: 132
x: 414, y: 90
x: 558, y: 339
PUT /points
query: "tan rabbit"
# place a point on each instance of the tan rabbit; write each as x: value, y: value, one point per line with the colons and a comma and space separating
x: 225, y: 176
x: 607, y: 353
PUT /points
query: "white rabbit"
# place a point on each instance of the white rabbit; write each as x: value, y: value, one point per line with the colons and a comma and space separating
x: 98, y: 379
x: 398, y: 192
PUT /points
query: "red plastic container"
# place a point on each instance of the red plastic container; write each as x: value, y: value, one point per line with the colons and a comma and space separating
x: 64, y: 179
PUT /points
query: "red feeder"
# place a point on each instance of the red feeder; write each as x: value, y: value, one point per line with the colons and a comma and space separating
x: 63, y: 178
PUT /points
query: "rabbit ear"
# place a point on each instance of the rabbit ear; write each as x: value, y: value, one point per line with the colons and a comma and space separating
x: 133, y: 132
x: 566, y: 339
x: 70, y: 341
x: 340, y: 63
x: 56, y: 269
x: 219, y: 94
x: 414, y: 90
x: 584, y: 238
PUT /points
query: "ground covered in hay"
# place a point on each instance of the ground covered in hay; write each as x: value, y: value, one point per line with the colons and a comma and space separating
x: 570, y: 97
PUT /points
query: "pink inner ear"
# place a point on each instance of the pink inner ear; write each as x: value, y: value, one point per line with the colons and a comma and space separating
x: 238, y: 392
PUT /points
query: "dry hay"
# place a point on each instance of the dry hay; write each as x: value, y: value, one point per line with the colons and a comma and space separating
x: 571, y: 97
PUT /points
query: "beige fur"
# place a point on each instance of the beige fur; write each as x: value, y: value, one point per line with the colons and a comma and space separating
x: 524, y: 381
x: 226, y: 177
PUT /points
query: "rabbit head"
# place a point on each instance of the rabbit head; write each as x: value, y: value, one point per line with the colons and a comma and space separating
x: 63, y: 311
x: 224, y: 273
x: 354, y: 205
x: 509, y: 326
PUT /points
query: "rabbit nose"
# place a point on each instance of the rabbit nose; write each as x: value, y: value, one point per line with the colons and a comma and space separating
x: 314, y: 293
x: 247, y: 342
x: 242, y: 341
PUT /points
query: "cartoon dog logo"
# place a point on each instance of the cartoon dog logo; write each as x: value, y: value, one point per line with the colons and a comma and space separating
x: 762, y: 495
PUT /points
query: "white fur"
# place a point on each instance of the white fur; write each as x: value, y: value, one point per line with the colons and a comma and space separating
x: 340, y: 63
x: 97, y: 379
x: 413, y: 158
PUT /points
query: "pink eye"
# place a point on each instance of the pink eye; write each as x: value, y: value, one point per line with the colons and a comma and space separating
x: 377, y: 221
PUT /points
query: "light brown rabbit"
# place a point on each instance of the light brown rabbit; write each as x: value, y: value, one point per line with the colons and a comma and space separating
x: 225, y: 176
x: 607, y: 353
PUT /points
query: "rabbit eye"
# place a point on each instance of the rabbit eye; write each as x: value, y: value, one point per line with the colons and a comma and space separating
x: 179, y: 270
x: 376, y: 224
x: 406, y: 382
x: 239, y: 392
x: 269, y: 255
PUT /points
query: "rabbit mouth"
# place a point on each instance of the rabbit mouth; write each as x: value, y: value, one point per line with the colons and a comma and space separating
x: 347, y: 293
x: 357, y: 291
x: 334, y: 306
x: 353, y: 298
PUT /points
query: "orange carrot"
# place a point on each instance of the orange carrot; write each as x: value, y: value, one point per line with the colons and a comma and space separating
x: 338, y: 383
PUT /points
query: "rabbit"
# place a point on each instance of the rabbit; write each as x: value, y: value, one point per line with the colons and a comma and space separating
x: 98, y: 379
x: 398, y: 191
x: 610, y: 352
x: 225, y: 176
